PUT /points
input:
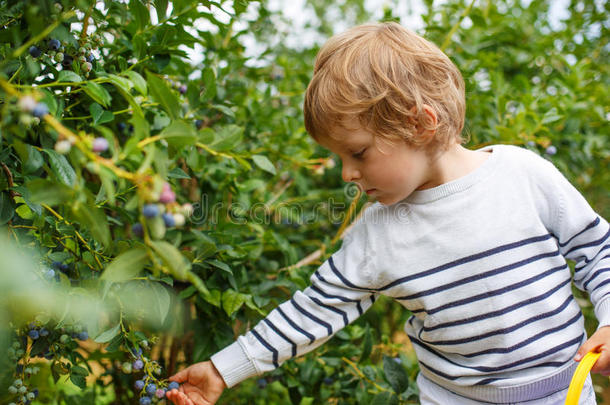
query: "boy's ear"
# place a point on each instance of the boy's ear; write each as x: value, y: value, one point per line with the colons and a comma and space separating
x: 423, y: 133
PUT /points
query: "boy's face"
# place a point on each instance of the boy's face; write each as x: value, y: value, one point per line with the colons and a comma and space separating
x: 387, y: 172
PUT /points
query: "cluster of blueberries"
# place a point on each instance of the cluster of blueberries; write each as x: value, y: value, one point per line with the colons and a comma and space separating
x: 149, y: 391
x: 19, y: 389
x: 152, y: 211
x: 57, y: 52
x: 152, y: 392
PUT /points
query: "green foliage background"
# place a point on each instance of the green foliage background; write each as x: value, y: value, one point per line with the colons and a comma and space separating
x: 265, y: 196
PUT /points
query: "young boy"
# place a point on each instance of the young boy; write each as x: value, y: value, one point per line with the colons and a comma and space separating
x: 473, y: 242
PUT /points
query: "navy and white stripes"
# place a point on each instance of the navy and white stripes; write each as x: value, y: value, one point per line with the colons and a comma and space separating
x: 481, y: 263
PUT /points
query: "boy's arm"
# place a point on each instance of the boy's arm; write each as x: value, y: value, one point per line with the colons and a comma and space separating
x: 584, y: 237
x: 339, y: 293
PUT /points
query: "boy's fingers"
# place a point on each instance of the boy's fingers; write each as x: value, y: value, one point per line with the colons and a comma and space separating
x: 180, y: 376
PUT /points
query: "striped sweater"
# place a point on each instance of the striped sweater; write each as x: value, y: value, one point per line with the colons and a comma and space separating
x: 481, y: 264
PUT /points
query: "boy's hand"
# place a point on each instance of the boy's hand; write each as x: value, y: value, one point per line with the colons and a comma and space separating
x: 200, y: 384
x: 598, y: 342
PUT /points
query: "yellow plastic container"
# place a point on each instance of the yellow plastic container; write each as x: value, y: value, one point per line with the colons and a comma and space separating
x: 579, y: 377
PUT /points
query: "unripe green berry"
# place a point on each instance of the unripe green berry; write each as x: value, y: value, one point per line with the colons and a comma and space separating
x: 59, y: 57
x: 23, y: 389
x: 30, y: 396
x: 87, y: 67
x: 17, y: 383
x: 12, y: 390
x: 64, y: 339
x: 62, y: 147
x: 19, y: 352
x: 127, y: 368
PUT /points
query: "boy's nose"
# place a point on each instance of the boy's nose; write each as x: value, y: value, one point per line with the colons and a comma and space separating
x: 349, y: 173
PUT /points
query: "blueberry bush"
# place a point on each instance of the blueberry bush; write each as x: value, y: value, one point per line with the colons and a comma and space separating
x: 159, y: 194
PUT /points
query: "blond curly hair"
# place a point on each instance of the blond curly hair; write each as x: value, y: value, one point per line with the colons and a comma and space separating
x: 384, y: 74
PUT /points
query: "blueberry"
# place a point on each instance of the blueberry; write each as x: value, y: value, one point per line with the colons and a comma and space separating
x: 56, y: 264
x: 40, y: 110
x: 121, y: 126
x: 551, y: 150
x: 34, y: 51
x: 90, y: 58
x: 328, y: 381
x: 49, y: 274
x: 35, y: 392
x: 67, y: 62
x: 182, y: 89
x: 34, y: 334
x: 151, y: 389
x: 136, y: 352
x: 138, y: 365
x: 139, y: 385
x: 137, y: 229
x: 145, y: 401
x: 99, y: 144
x: 150, y: 210
x: 173, y: 386
x: 261, y: 382
x: 64, y: 267
x: 82, y: 335
x: 160, y: 393
x: 169, y: 220
x: 199, y: 124
x: 44, y: 332
x: 54, y: 44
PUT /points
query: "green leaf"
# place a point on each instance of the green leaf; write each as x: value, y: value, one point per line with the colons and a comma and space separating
x: 384, y: 398
x: 126, y: 265
x: 68, y: 76
x: 179, y: 134
x: 175, y: 261
x: 94, y: 220
x: 140, y: 13
x: 78, y: 380
x: 7, y: 208
x: 264, y: 163
x: 162, y: 299
x: 228, y: 138
x: 48, y: 192
x: 61, y: 167
x: 124, y: 86
x: 108, y: 335
x: 99, y: 115
x: 162, y: 94
x: 178, y: 173
x: 367, y: 345
x: 138, y: 81
x: 98, y: 93
x: 220, y: 265
x: 395, y: 374
x: 232, y: 301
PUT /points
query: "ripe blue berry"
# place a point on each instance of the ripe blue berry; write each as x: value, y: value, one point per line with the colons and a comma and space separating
x: 44, y: 332
x: 328, y: 381
x: 139, y: 385
x: 34, y: 51
x: 54, y: 44
x: 138, y: 365
x: 551, y: 150
x: 199, y: 124
x: 67, y: 62
x: 137, y: 229
x: 82, y: 335
x: 49, y: 274
x: 169, y: 220
x: 150, y: 210
x: 136, y: 352
x: 151, y: 389
x: 90, y: 58
x: 99, y: 144
x: 40, y: 110
x: 261, y: 382
x: 121, y: 126
x: 34, y: 334
x: 182, y: 89
x: 145, y: 401
x: 173, y: 386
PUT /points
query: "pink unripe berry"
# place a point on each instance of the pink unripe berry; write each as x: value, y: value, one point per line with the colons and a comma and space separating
x: 27, y: 103
x: 166, y: 187
x: 167, y: 196
x: 160, y: 393
x: 99, y: 144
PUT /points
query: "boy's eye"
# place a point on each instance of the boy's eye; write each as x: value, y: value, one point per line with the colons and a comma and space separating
x: 358, y: 155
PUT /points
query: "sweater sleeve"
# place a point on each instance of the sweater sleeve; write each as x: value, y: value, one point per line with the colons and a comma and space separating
x: 338, y: 295
x: 583, y: 236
